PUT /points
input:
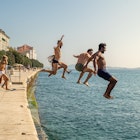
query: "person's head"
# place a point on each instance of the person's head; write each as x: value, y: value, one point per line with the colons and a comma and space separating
x: 60, y: 43
x: 102, y: 47
x: 90, y: 51
x: 4, y: 57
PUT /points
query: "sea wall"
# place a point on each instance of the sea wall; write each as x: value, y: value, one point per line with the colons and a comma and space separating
x: 34, y: 106
x: 16, y: 121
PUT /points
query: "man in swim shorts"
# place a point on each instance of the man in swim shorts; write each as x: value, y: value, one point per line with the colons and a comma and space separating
x: 82, y: 59
x: 99, y: 60
x: 56, y: 63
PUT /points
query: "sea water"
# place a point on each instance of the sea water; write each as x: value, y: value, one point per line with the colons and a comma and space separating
x: 71, y: 111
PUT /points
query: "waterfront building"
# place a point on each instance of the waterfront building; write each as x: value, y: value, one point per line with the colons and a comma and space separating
x: 4, y: 40
x: 27, y: 51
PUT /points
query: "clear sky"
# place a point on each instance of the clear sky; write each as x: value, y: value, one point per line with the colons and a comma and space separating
x: 85, y: 24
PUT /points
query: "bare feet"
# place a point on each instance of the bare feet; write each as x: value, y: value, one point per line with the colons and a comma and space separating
x: 7, y: 89
x: 69, y: 72
x: 49, y: 74
x: 78, y: 82
x: 64, y: 77
x: 86, y: 83
x: 108, y: 96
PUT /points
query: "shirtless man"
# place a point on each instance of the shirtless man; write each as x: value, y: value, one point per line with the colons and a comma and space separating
x: 82, y: 59
x: 99, y: 60
x: 56, y: 63
x: 3, y: 64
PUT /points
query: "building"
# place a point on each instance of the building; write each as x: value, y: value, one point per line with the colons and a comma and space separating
x: 4, y: 40
x: 27, y: 51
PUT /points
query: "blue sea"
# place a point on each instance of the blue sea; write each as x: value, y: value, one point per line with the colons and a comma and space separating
x: 71, y: 111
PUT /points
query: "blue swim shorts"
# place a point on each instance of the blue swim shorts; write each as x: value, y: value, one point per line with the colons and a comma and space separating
x: 104, y: 74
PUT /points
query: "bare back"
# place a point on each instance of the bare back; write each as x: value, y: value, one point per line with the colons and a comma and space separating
x: 83, y: 58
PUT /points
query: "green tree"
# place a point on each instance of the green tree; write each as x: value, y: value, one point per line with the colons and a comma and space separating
x: 2, y: 53
x: 11, y: 58
x: 15, y: 57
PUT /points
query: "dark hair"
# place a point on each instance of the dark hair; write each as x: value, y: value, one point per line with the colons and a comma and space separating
x: 89, y: 50
x: 58, y: 41
x: 102, y: 45
x: 4, y: 56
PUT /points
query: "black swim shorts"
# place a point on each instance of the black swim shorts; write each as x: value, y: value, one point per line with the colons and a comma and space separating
x: 54, y: 61
x: 104, y: 74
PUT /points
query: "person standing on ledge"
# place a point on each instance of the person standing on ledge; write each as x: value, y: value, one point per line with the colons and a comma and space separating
x: 82, y: 59
x: 56, y: 63
x: 99, y: 61
x: 3, y: 76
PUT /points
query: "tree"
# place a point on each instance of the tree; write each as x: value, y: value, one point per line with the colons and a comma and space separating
x: 11, y: 58
x: 15, y: 57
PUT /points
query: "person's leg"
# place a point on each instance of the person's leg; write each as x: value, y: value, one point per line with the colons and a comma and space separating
x: 91, y: 71
x: 64, y: 66
x: 81, y: 75
x: 60, y: 68
x: 0, y: 79
x: 68, y: 71
x: 6, y: 79
x: 110, y: 86
x: 53, y: 71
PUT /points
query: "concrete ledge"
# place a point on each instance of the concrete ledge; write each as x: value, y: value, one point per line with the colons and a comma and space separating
x: 16, y: 122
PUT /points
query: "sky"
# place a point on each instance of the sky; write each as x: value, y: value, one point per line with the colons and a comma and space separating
x: 84, y: 23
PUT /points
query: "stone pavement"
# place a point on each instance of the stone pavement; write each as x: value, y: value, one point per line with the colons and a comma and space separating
x: 16, y: 122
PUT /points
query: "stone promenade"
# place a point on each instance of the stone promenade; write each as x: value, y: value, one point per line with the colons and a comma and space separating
x: 16, y: 122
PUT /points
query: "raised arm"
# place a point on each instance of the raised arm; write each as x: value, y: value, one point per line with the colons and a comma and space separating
x: 59, y: 43
x: 61, y: 37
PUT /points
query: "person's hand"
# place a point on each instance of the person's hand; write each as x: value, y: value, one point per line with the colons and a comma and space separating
x: 84, y: 67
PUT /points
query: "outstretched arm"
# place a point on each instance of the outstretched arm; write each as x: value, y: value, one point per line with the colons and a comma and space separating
x: 76, y: 56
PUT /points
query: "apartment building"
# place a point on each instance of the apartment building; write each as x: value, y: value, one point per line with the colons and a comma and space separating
x: 28, y: 51
x: 4, y: 40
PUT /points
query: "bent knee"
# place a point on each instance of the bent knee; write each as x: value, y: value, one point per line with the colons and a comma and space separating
x: 5, y: 78
x: 54, y: 73
x: 114, y: 81
x: 65, y: 67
